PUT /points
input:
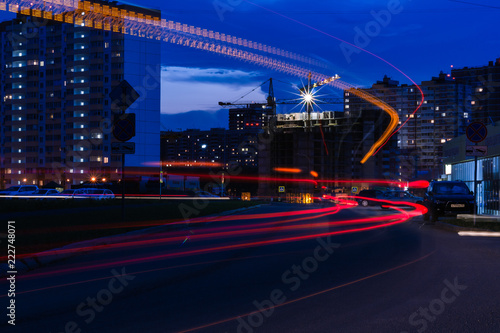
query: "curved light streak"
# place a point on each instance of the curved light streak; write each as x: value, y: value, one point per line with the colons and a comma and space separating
x: 366, y: 51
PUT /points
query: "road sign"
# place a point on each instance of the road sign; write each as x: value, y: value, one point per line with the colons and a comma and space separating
x: 123, y: 96
x: 123, y: 148
x: 476, y: 132
x: 281, y: 189
x: 124, y: 127
x: 476, y: 151
x: 354, y: 189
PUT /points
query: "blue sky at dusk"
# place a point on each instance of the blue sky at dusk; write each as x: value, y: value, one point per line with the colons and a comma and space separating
x: 420, y: 37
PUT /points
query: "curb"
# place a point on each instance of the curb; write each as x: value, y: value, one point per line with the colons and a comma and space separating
x: 456, y: 228
x: 44, y: 258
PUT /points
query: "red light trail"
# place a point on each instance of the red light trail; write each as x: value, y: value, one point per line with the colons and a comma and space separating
x: 241, y: 231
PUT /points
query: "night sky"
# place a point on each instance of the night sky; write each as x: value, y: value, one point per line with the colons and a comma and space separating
x: 421, y: 38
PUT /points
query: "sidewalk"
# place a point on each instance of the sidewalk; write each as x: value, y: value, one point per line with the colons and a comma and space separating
x: 479, y: 218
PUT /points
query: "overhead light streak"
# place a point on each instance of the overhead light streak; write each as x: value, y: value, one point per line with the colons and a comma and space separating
x: 387, y: 137
x: 110, y: 18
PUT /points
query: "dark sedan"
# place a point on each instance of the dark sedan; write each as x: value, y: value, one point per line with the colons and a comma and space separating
x: 448, y: 198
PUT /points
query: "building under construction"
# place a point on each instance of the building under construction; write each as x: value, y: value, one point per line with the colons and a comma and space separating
x: 321, y: 153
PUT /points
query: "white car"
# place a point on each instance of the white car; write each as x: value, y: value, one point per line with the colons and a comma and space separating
x: 44, y: 193
x: 67, y: 194
x: 20, y: 190
x: 100, y: 194
x: 82, y: 192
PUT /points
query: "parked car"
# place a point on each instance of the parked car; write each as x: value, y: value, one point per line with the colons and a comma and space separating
x: 398, y: 196
x: 19, y: 190
x: 67, y: 193
x: 82, y: 192
x: 93, y: 193
x: 448, y: 198
x: 100, y: 194
x: 45, y: 193
x: 363, y: 197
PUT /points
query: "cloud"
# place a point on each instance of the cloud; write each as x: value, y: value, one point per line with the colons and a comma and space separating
x: 188, y: 88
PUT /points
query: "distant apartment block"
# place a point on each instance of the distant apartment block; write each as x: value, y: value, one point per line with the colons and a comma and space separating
x: 56, y: 113
x: 217, y: 145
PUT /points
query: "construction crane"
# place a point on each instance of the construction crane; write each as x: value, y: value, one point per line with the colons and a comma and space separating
x: 271, y: 101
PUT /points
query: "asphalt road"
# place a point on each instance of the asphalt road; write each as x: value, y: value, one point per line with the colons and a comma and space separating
x: 404, y: 278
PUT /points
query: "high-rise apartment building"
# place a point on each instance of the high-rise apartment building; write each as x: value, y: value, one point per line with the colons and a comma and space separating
x: 485, y: 94
x: 444, y: 114
x: 57, y: 113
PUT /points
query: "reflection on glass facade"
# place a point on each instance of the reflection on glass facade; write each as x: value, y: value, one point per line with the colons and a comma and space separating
x: 488, y: 187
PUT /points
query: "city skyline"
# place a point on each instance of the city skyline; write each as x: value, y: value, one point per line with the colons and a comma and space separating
x: 402, y: 30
